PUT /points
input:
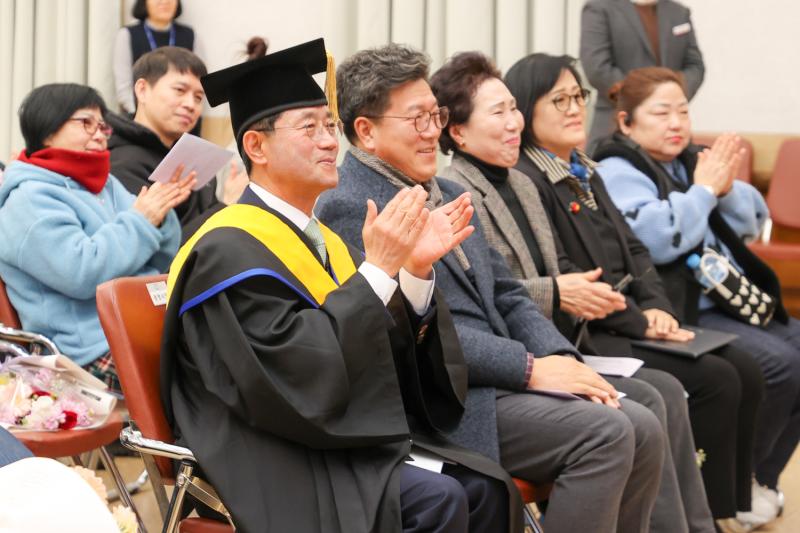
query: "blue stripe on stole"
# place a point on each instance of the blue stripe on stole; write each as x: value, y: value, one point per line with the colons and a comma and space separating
x: 224, y: 284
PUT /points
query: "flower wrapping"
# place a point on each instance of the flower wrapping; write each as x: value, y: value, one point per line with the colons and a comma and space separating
x: 39, y: 398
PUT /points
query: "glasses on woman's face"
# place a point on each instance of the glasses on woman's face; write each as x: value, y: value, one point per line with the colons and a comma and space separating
x: 422, y: 120
x: 562, y: 101
x: 91, y: 125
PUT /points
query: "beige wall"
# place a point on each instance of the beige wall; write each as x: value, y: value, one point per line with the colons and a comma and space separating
x: 750, y: 46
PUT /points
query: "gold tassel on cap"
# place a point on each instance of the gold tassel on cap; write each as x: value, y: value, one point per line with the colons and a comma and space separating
x: 330, y: 87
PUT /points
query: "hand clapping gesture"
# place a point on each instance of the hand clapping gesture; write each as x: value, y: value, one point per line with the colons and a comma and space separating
x: 447, y: 227
x: 717, y: 166
x: 406, y: 234
x: 155, y: 201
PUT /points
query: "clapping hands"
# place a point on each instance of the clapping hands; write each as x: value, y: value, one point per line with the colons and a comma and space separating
x: 407, y: 235
x: 717, y: 166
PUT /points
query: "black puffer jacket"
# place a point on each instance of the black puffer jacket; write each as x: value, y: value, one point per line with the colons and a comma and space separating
x: 136, y: 152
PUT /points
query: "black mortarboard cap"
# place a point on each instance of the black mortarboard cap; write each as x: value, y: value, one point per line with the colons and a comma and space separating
x: 269, y: 85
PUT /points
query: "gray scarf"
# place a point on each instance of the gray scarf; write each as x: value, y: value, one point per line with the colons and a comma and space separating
x: 401, y: 181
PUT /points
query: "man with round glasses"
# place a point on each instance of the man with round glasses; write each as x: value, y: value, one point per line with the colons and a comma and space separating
x: 610, y: 452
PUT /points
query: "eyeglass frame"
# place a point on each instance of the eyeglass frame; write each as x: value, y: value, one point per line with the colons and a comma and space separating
x: 584, y: 95
x: 442, y: 123
x: 105, y: 129
x: 318, y: 127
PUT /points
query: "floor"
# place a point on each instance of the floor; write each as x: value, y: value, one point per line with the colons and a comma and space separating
x: 788, y: 523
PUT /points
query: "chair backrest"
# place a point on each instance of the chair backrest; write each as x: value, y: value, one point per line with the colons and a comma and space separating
x: 746, y: 170
x: 784, y: 186
x: 133, y: 325
x: 8, y: 315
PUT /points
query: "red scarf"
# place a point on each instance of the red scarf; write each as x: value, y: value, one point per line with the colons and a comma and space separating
x: 90, y: 169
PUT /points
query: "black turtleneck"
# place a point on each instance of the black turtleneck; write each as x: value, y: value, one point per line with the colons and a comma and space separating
x: 498, y: 177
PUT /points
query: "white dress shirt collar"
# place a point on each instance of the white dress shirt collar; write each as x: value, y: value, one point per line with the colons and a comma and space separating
x: 295, y: 216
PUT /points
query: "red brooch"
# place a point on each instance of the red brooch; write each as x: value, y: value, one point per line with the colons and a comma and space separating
x: 574, y: 207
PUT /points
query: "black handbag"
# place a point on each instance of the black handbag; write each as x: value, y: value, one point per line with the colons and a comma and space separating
x: 730, y: 289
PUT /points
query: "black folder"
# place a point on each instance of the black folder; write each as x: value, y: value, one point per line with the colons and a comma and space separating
x: 705, y: 340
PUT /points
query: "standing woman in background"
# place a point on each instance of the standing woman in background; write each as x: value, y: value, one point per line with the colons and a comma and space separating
x: 156, y: 27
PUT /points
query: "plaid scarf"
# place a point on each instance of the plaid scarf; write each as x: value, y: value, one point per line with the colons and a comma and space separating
x: 401, y: 181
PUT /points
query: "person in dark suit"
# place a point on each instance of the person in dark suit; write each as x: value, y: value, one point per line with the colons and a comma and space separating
x: 484, y: 134
x: 605, y: 455
x: 591, y: 233
x: 620, y: 35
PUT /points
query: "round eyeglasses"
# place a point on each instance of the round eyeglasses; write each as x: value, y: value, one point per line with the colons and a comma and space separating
x: 422, y: 120
x: 562, y: 101
x: 91, y: 125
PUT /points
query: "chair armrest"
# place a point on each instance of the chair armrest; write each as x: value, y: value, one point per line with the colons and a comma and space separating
x: 12, y: 348
x: 35, y: 340
x: 132, y: 439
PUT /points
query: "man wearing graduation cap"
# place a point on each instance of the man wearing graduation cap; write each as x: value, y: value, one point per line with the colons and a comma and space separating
x: 291, y: 364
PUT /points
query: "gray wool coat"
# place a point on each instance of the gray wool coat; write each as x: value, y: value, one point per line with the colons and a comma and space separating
x: 497, y: 322
x: 498, y: 226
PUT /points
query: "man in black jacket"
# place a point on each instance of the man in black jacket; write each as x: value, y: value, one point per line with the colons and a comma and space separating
x: 169, y: 100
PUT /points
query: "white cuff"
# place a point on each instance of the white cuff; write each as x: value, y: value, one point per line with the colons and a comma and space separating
x: 381, y: 283
x: 417, y: 291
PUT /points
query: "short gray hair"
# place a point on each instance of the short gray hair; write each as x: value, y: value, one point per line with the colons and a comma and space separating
x: 365, y: 79
x: 267, y: 125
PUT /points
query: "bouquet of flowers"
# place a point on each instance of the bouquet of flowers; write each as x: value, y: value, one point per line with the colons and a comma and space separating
x: 39, y: 398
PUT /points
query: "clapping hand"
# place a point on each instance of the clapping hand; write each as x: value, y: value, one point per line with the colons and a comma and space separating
x: 390, y: 237
x: 717, y: 166
x: 446, y: 228
x: 155, y: 201
x: 582, y: 295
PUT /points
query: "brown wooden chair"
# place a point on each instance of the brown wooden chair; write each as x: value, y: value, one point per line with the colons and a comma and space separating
x: 133, y: 327
x: 65, y: 443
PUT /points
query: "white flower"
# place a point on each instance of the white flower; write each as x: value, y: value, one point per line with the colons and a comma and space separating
x: 44, y: 414
x: 125, y: 518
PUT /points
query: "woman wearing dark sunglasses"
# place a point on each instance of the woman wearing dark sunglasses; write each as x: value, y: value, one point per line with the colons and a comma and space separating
x: 67, y: 225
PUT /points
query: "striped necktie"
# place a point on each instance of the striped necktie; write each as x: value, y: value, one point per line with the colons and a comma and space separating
x: 313, y: 232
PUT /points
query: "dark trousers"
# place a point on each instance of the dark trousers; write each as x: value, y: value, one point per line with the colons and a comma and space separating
x: 776, y: 348
x: 725, y: 390
x: 455, y: 501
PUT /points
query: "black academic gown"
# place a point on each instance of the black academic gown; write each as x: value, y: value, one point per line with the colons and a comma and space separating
x: 299, y: 415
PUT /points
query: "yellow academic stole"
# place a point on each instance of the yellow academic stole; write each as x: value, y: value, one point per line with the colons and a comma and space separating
x: 282, y: 241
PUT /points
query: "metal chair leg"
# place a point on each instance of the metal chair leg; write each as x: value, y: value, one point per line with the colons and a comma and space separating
x: 531, y: 524
x: 108, y: 462
x: 176, y: 503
